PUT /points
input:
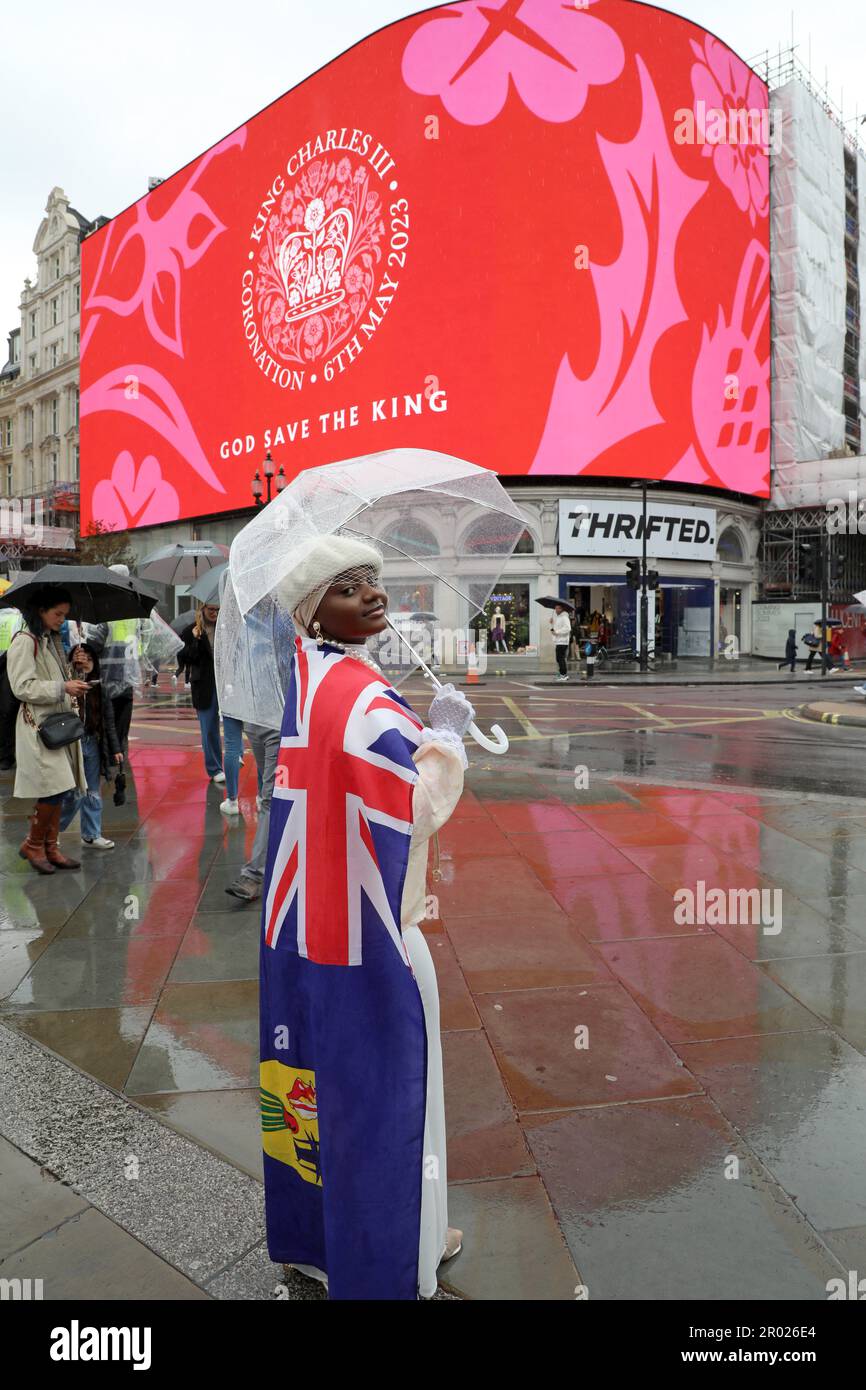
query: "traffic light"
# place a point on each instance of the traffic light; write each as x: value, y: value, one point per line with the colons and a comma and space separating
x: 835, y: 569
x: 632, y: 574
x: 652, y: 579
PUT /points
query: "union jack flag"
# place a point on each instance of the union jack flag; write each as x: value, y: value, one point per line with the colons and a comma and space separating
x: 341, y: 813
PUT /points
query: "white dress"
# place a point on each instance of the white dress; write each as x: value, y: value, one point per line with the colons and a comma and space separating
x: 437, y: 791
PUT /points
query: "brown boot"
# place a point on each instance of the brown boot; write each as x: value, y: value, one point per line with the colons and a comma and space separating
x: 33, y: 847
x: 53, y: 852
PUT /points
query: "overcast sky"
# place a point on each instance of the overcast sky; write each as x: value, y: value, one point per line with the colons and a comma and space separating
x: 97, y: 95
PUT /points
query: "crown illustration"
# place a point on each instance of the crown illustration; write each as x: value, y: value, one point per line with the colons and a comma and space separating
x: 311, y: 261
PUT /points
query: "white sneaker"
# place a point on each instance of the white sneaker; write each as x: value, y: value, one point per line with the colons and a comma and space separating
x: 174, y: 682
x: 219, y: 777
x: 99, y: 843
x: 230, y: 808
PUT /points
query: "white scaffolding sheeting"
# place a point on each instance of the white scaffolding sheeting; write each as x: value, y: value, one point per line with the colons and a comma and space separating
x: 815, y: 482
x: 861, y: 268
x: 808, y: 228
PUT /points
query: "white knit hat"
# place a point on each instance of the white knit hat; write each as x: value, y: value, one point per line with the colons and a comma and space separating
x: 316, y: 564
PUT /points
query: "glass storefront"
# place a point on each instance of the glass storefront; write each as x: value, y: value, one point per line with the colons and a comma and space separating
x: 606, y: 611
x: 506, y: 612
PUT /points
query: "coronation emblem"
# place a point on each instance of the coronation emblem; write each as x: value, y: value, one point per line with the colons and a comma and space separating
x: 324, y: 259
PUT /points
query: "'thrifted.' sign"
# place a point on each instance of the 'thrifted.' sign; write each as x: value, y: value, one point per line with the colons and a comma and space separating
x: 588, y: 526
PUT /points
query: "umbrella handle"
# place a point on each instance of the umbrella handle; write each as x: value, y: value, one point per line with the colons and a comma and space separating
x: 499, y: 735
x: 498, y: 743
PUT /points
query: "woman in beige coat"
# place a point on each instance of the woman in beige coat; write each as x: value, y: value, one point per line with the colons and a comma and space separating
x: 40, y: 679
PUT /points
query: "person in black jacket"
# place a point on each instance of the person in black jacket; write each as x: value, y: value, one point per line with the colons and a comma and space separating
x: 197, y: 657
x: 100, y: 749
x: 790, y: 651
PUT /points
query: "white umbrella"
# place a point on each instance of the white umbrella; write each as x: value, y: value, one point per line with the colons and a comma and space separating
x: 182, y: 563
x: 401, y: 501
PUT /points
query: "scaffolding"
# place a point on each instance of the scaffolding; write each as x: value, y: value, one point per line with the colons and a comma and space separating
x: 785, y: 65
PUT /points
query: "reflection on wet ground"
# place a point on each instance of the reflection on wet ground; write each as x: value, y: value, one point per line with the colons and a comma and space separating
x: 656, y: 1096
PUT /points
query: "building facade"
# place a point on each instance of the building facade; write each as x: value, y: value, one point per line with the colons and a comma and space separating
x: 39, y: 394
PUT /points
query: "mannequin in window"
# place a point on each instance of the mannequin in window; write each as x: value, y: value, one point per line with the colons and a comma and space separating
x: 497, y: 631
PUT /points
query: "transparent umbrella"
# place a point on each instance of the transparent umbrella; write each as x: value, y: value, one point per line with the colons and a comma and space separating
x: 445, y: 529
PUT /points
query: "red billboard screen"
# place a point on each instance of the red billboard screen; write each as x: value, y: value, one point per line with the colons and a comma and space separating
x: 528, y: 233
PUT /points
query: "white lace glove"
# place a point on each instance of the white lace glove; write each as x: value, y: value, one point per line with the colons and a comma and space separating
x: 450, y: 717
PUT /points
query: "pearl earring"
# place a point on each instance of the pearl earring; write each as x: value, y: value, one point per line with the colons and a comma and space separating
x: 317, y: 629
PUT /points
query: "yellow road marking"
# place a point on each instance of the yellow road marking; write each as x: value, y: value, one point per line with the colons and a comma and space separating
x: 526, y: 725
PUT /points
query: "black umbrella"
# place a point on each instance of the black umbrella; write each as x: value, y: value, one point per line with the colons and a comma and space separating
x: 548, y: 602
x: 98, y: 594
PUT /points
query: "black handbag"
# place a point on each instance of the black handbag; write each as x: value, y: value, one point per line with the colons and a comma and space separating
x: 59, y: 730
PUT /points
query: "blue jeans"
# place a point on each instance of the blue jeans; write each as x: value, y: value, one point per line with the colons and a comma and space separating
x: 209, y: 723
x: 233, y: 732
x: 265, y: 744
x: 89, y: 802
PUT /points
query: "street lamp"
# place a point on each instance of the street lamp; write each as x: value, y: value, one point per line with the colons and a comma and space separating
x: 279, y: 481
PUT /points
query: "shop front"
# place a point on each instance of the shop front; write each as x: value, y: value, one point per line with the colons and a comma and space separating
x: 606, y: 611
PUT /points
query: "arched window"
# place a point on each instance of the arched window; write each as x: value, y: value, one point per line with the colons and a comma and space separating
x: 526, y: 545
x: 730, y: 546
x: 485, y: 538
x: 409, y: 537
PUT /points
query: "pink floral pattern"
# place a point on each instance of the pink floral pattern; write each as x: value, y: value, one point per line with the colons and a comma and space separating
x: 143, y: 393
x: 135, y: 498
x: 469, y: 54
x: 167, y: 249
x: 722, y: 83
x: 731, y: 382
x: 638, y: 300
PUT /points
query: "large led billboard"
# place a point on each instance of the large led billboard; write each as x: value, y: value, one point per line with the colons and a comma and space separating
x: 529, y: 233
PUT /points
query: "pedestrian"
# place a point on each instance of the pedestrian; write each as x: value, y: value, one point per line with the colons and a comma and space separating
x: 40, y: 678
x: 233, y: 739
x: 100, y: 749
x: 196, y: 656
x: 560, y: 626
x: 265, y: 744
x: 790, y: 651
x: 118, y: 646
x: 353, y: 1123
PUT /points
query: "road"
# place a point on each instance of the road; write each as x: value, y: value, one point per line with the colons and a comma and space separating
x: 721, y: 736
x: 752, y: 736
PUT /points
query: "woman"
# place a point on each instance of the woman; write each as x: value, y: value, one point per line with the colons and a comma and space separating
x: 353, y: 1123
x: 100, y: 749
x: 40, y: 679
x: 196, y: 656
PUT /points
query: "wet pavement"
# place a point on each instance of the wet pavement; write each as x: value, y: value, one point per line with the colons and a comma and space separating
x: 649, y: 1094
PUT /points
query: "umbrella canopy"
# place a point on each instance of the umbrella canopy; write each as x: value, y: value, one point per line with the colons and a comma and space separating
x: 98, y: 594
x: 182, y: 563
x: 183, y: 620
x: 548, y: 602
x: 435, y: 519
x: 206, y: 588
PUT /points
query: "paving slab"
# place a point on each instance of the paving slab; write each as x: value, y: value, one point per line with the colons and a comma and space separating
x: 701, y: 987
x: 643, y: 1199
x: 202, y: 1037
x: 89, y: 1257
x: 799, y: 1101
x: 534, y: 1035
x: 32, y: 1201
x: 102, y: 1042
x: 512, y: 1247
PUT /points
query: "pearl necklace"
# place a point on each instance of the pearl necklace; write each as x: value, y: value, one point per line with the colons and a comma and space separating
x: 356, y: 650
